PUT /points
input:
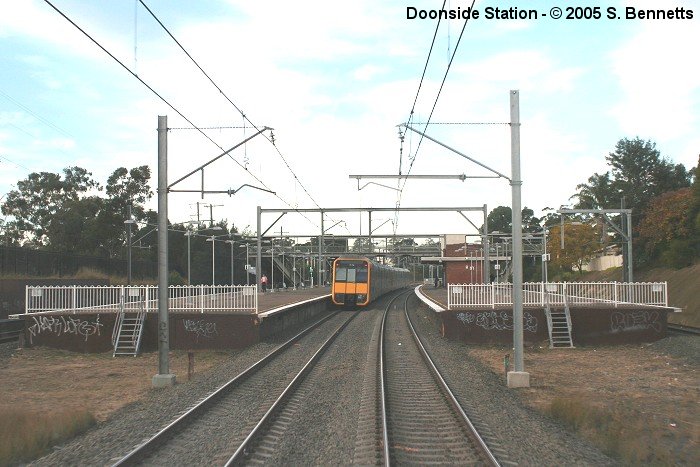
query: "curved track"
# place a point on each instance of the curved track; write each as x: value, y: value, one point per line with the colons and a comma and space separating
x: 210, y: 415
x: 423, y: 422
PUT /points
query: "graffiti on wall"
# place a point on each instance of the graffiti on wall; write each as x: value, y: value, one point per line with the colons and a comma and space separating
x: 497, y: 320
x: 637, y: 320
x: 200, y: 328
x: 63, y: 325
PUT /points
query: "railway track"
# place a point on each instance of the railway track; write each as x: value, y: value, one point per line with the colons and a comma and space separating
x: 681, y: 329
x: 10, y: 330
x: 250, y: 449
x: 210, y: 432
x: 422, y: 422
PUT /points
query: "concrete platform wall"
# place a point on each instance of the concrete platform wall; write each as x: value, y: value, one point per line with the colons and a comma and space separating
x: 92, y: 333
x: 590, y: 326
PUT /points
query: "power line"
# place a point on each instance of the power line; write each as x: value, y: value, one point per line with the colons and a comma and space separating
x: 442, y: 84
x: 37, y: 116
x: 271, y: 140
x: 15, y: 163
x: 420, y: 84
x: 130, y: 72
x: 160, y: 97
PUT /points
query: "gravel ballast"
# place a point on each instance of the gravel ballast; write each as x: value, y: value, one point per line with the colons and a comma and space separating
x: 322, y: 424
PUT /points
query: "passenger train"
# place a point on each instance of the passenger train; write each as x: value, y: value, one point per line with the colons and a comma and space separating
x: 357, y: 281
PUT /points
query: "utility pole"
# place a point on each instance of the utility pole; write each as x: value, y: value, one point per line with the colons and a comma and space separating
x: 321, y: 266
x: 211, y: 212
x: 128, y: 223
x: 164, y: 377
x: 258, y: 258
x: 518, y: 378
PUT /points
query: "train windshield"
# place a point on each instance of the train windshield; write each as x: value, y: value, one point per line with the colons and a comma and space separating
x: 351, y: 271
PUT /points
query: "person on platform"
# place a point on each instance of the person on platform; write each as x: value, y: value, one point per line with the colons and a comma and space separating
x: 263, y: 283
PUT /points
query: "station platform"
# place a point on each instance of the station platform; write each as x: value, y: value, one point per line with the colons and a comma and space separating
x: 93, y: 330
x: 590, y: 324
x: 271, y: 303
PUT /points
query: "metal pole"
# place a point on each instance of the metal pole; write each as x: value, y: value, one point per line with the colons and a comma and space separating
x: 258, y: 259
x: 189, y: 270
x: 487, y: 250
x: 518, y: 378
x: 544, y: 258
x: 321, y: 272
x: 163, y: 378
x: 213, y: 279
x: 247, y: 266
x: 625, y: 245
x: 630, y: 276
x: 272, y: 264
x: 231, y: 262
x: 128, y: 254
x: 371, y: 247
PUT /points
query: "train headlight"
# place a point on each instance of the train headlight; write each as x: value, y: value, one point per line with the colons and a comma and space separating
x: 361, y: 297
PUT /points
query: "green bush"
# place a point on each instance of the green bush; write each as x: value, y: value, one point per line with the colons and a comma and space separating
x: 678, y: 254
x: 176, y: 279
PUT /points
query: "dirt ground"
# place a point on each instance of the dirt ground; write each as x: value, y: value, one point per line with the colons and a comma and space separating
x: 646, y: 381
x: 655, y: 390
x: 41, y: 379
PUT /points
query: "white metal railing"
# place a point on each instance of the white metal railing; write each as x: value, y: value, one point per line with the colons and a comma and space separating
x: 572, y: 294
x: 189, y: 298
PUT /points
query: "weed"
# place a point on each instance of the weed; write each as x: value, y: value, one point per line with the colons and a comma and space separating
x: 27, y: 435
x: 621, y: 432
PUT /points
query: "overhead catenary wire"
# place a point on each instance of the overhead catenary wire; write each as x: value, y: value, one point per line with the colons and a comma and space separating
x: 271, y: 140
x: 437, y: 97
x: 160, y: 97
x: 442, y: 84
x: 420, y: 85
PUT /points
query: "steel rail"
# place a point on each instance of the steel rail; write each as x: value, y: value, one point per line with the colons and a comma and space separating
x: 143, y: 450
x: 483, y: 447
x: 242, y: 450
x: 382, y: 386
x: 683, y: 329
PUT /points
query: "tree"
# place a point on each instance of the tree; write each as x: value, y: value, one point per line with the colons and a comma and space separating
x: 581, y: 244
x: 41, y: 200
x: 695, y: 205
x: 637, y: 173
x: 124, y: 187
x: 500, y: 220
x: 595, y: 194
x: 665, y: 219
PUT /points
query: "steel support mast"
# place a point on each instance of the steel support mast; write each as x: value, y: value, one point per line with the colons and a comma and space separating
x: 519, y: 377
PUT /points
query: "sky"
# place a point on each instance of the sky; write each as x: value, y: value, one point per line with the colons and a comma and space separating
x: 334, y: 80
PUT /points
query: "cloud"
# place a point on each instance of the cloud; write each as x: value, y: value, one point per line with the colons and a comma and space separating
x: 369, y: 72
x: 658, y: 81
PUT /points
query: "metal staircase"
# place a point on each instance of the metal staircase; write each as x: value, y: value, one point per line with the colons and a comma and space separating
x: 559, y: 327
x: 287, y: 274
x: 127, y: 332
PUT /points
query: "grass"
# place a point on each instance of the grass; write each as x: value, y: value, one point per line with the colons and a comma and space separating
x: 27, y: 435
x: 621, y: 432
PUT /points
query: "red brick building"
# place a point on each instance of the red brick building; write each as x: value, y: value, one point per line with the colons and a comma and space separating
x: 460, y: 263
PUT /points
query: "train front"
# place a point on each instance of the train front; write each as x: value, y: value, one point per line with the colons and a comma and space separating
x: 351, y: 282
